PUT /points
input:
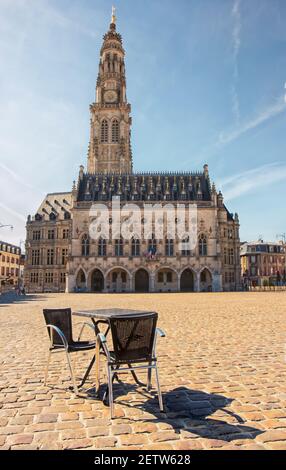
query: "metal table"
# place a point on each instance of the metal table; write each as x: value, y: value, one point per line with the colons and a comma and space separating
x: 102, y: 316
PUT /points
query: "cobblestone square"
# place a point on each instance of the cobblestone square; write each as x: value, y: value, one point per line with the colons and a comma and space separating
x: 222, y: 371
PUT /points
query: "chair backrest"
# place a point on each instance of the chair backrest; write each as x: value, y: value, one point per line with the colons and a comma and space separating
x: 60, y: 317
x: 133, y: 337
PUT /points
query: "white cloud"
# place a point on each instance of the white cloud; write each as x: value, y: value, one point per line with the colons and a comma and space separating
x: 265, y: 115
x: 251, y: 180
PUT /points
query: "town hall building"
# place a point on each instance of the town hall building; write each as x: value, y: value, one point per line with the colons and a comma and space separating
x: 61, y: 253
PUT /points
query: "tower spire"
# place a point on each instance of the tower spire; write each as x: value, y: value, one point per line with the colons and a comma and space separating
x: 110, y: 131
x: 113, y: 15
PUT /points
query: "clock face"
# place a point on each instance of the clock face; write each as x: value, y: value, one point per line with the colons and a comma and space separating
x: 110, y: 96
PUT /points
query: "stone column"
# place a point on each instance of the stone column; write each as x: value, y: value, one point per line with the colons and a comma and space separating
x: 70, y: 283
x: 152, y: 282
x: 217, y: 282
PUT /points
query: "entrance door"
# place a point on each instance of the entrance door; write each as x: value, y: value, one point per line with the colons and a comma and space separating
x: 187, y: 281
x: 97, y: 281
x: 141, y: 281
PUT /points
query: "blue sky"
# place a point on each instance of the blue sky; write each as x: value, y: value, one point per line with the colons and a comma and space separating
x: 205, y: 78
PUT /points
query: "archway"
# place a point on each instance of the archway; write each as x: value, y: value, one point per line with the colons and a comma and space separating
x: 141, y: 281
x: 205, y: 281
x: 81, y: 281
x: 187, y: 283
x: 97, y: 281
x: 118, y: 280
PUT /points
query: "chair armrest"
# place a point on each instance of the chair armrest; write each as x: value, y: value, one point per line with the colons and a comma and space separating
x: 102, y: 338
x: 84, y: 324
x: 60, y: 333
x: 160, y: 332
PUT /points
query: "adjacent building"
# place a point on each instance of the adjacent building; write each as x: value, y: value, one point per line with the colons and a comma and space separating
x: 263, y: 263
x: 9, y: 264
x: 62, y: 254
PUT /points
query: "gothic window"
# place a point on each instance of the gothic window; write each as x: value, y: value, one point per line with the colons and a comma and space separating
x: 169, y: 247
x: 203, y: 247
x: 115, y: 131
x: 135, y: 247
x: 101, y: 247
x: 119, y: 247
x: 85, y: 245
x: 104, y: 131
x: 152, y: 246
x: 186, y: 247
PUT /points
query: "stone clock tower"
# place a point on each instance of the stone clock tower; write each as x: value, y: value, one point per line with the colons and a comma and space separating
x: 110, y: 147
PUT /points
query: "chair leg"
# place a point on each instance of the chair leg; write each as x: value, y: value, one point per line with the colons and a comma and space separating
x: 72, y: 374
x: 159, y: 390
x: 149, y: 378
x: 47, y: 367
x: 110, y: 391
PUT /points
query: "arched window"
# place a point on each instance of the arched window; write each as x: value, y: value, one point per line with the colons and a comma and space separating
x: 101, y: 247
x: 135, y: 247
x: 104, y: 131
x: 85, y: 245
x: 203, y: 246
x: 115, y: 132
x: 152, y: 246
x: 169, y: 247
x: 185, y: 247
x: 119, y: 247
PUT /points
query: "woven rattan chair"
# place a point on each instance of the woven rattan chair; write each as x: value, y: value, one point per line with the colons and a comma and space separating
x: 59, y: 325
x: 134, y: 346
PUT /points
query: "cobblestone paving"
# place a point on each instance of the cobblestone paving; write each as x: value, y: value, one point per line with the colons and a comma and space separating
x: 222, y: 370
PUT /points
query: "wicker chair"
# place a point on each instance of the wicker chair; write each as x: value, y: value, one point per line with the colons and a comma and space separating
x: 134, y: 342
x: 59, y: 326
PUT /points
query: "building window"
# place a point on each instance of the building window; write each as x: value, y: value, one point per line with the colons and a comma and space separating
x: 160, y: 277
x: 66, y: 233
x: 152, y: 246
x: 203, y: 247
x: 64, y: 255
x: 169, y: 247
x: 34, y: 278
x: 63, y: 278
x: 49, y: 278
x: 104, y: 132
x: 85, y: 245
x: 51, y: 234
x: 231, y: 256
x: 50, y: 256
x: 36, y: 235
x: 169, y: 276
x: 119, y: 247
x: 115, y: 132
x: 135, y: 247
x: 35, y: 257
x: 186, y: 247
x: 101, y: 247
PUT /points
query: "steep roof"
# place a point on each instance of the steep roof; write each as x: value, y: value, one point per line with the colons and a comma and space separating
x: 145, y: 187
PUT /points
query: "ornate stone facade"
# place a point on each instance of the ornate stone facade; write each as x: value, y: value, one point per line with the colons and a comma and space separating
x: 143, y: 263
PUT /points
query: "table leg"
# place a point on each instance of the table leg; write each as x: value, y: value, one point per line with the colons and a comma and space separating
x: 97, y: 365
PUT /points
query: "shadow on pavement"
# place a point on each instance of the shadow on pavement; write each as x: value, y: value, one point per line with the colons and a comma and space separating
x: 190, y: 410
x: 12, y: 298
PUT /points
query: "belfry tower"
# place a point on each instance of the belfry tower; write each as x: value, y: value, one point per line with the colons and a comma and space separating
x: 110, y: 147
